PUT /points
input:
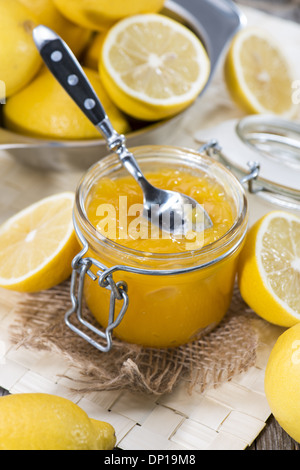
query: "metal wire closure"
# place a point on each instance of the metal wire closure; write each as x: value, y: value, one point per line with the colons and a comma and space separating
x: 118, y: 290
x: 273, y: 194
x: 212, y: 149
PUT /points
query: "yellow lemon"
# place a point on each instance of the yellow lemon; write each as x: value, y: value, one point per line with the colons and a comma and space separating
x: 152, y: 66
x: 44, y: 109
x: 92, y: 55
x: 99, y: 15
x: 19, y: 58
x: 47, y: 14
x: 38, y: 244
x: 258, y: 75
x: 269, y: 268
x: 38, y: 421
x: 282, y: 381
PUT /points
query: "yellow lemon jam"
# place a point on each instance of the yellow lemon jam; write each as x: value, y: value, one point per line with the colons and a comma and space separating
x: 124, y: 223
x: 187, y: 284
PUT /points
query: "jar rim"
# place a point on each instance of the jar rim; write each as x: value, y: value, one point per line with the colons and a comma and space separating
x: 111, y: 161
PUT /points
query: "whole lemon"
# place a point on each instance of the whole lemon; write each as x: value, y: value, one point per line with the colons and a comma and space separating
x: 38, y: 421
x: 101, y: 14
x: 47, y: 14
x: 282, y: 381
x: 92, y: 54
x: 44, y: 109
x: 19, y: 58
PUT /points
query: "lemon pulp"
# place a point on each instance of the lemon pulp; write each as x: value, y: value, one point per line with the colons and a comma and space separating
x: 37, y: 245
x: 258, y: 75
x: 270, y: 264
x: 152, y: 66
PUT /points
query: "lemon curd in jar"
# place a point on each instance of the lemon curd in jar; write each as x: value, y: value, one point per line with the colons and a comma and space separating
x: 134, y: 231
x: 165, y: 310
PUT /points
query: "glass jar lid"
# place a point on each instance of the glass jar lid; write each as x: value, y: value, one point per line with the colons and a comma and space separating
x: 271, y: 142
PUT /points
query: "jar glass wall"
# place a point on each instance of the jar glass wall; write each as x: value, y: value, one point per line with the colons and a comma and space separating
x: 173, y: 297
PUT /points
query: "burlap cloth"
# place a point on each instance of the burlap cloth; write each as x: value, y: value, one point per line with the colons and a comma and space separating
x: 214, y: 358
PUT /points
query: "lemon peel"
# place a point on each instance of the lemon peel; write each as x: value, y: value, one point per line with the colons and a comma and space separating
x: 40, y: 421
x: 282, y: 381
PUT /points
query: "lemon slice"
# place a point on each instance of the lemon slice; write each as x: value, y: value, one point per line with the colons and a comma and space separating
x: 37, y: 245
x: 269, y: 268
x: 152, y: 66
x: 258, y: 75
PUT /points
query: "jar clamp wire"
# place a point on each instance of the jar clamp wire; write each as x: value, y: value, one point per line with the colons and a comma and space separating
x: 267, y: 145
x: 218, y: 261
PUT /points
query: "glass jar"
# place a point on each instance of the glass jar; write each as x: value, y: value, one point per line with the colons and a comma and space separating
x: 267, y: 146
x: 155, y: 300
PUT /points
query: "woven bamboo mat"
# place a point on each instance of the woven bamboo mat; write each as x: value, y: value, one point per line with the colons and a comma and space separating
x: 227, y: 417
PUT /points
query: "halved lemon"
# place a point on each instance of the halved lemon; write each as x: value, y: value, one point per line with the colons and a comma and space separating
x: 37, y: 245
x: 258, y: 74
x: 152, y: 66
x: 269, y: 268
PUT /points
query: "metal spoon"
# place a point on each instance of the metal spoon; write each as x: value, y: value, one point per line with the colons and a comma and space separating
x: 169, y: 210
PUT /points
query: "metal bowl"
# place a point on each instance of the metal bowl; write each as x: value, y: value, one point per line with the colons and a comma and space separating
x: 213, y: 21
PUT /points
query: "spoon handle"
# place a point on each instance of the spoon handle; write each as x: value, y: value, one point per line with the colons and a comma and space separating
x: 65, y: 67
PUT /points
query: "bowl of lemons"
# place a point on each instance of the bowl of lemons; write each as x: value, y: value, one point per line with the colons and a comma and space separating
x: 148, y: 61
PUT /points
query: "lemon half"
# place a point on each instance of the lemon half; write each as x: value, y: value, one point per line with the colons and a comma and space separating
x: 269, y: 268
x: 152, y: 66
x: 258, y: 75
x: 37, y: 245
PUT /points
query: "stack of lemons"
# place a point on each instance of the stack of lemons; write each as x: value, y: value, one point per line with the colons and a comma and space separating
x: 141, y: 63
